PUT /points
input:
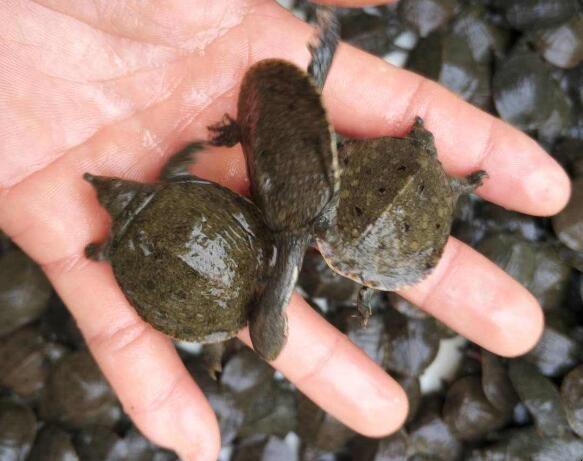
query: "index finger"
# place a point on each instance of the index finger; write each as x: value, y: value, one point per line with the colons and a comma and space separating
x: 368, y: 97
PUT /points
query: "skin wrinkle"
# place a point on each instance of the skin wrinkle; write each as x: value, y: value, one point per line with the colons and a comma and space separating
x: 111, y: 33
x: 191, y: 116
x: 95, y: 134
x: 158, y: 403
x: 74, y: 262
x: 242, y: 15
x: 117, y: 339
x: 485, y: 152
x: 172, y: 92
x: 320, y: 365
x: 412, y: 107
x: 105, y: 43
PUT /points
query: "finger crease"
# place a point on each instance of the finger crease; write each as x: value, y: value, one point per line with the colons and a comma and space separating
x: 163, y: 397
x: 320, y: 365
x: 489, y: 145
x: 119, y: 339
x: 66, y: 264
x: 414, y: 108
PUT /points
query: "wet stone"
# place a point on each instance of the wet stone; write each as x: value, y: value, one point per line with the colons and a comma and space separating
x: 561, y: 45
x: 26, y: 360
x: 77, y: 395
x: 448, y: 59
x: 541, y: 397
x: 537, y: 266
x: 572, y: 399
x: 24, y: 291
x: 485, y: 39
x: 271, y: 411
x: 393, y: 448
x: 426, y: 16
x: 53, y: 444
x: 568, y: 224
x: 412, y: 387
x: 468, y: 412
x: 523, y: 444
x: 496, y: 384
x: 17, y: 431
x: 374, y: 33
x: 372, y: 338
x: 524, y: 91
x: 318, y: 429
x: 430, y: 435
x: 260, y: 448
x: 412, y: 343
x: 532, y: 14
x: 100, y: 444
x: 556, y: 352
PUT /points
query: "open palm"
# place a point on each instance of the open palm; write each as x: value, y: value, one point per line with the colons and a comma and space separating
x: 115, y: 87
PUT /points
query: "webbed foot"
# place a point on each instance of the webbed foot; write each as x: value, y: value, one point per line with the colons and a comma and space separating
x: 423, y: 136
x: 97, y: 251
x: 225, y: 133
x: 363, y: 308
x: 323, y: 46
x: 176, y: 166
x: 468, y: 184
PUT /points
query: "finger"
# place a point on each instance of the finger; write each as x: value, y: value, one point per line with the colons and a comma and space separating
x: 476, y: 298
x: 337, y: 375
x: 141, y: 364
x: 368, y: 97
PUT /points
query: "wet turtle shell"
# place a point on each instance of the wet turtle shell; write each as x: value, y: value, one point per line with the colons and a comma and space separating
x: 187, y: 253
x: 188, y: 270
x: 394, y: 212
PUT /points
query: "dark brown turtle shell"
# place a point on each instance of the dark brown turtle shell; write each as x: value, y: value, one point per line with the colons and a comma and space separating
x: 189, y: 254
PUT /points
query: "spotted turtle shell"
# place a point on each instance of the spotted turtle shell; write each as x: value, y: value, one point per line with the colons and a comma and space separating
x: 394, y: 213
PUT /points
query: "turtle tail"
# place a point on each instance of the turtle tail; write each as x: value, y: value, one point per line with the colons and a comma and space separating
x: 268, y: 321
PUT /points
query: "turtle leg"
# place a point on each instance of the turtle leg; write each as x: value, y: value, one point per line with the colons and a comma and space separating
x: 423, y: 136
x: 363, y: 308
x: 323, y: 46
x: 176, y: 168
x: 469, y: 183
x: 225, y: 133
x: 98, y: 251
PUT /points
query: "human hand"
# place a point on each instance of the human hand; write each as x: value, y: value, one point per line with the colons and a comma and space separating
x: 115, y: 88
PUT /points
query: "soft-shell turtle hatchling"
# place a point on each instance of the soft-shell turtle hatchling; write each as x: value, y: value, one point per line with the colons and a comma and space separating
x: 394, y: 212
x: 188, y: 254
x: 292, y: 163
